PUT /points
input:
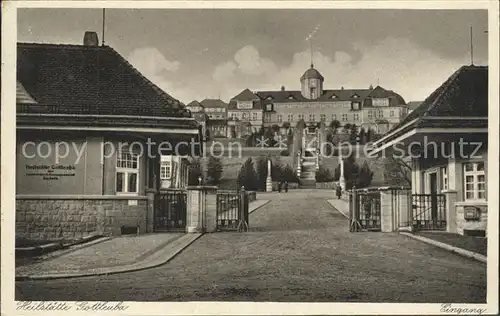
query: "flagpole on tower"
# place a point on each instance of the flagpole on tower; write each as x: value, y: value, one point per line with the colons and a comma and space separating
x: 103, y: 24
x: 471, y: 48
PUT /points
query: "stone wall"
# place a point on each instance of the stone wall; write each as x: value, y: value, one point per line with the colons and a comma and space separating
x: 74, y: 218
x: 463, y: 224
x: 326, y: 185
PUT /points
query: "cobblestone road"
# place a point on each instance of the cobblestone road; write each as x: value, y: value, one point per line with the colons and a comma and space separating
x: 299, y: 250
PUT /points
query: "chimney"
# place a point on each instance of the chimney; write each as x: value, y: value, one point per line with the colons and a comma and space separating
x: 342, y: 88
x: 371, y: 87
x: 282, y: 88
x: 90, y: 39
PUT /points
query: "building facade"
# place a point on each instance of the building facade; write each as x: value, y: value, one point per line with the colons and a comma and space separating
x: 94, y: 145
x: 216, y: 111
x: 373, y: 108
x: 446, y: 138
x: 246, y: 107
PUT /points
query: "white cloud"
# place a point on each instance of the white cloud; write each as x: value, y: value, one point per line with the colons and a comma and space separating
x: 154, y: 66
x: 150, y: 60
x: 396, y: 63
x: 224, y: 71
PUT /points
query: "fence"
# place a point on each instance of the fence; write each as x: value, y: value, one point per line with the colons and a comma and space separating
x: 364, y: 210
x: 232, y: 209
x: 429, y: 211
x: 170, y: 211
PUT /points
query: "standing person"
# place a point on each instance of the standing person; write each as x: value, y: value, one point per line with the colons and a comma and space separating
x: 339, y: 191
x: 279, y: 186
x: 286, y: 186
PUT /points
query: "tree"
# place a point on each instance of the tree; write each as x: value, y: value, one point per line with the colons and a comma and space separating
x: 347, y: 127
x: 334, y: 125
x: 365, y: 176
x: 397, y: 171
x: 361, y: 177
x: 194, y: 172
x: 353, y: 134
x: 214, y: 170
x: 286, y: 125
x: 275, y: 128
x: 247, y: 176
x: 362, y: 136
x: 369, y: 135
x: 324, y: 175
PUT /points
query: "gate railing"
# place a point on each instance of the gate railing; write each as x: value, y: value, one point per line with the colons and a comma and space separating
x: 429, y: 211
x: 170, y: 210
x: 364, y: 210
x: 232, y: 210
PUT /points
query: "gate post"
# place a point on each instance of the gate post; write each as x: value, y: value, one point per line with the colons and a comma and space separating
x: 387, y: 209
x: 201, y: 209
x: 451, y: 213
x: 150, y: 214
x: 195, y: 209
x: 243, y: 210
x: 405, y: 218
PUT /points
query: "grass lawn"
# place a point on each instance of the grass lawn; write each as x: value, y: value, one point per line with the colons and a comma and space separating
x: 475, y: 244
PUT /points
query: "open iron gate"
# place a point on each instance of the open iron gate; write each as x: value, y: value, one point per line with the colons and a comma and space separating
x: 232, y: 210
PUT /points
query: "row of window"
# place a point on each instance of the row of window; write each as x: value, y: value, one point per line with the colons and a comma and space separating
x: 312, y: 117
x: 246, y: 116
x: 474, y: 178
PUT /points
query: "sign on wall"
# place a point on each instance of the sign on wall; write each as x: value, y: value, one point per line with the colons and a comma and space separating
x: 56, y: 167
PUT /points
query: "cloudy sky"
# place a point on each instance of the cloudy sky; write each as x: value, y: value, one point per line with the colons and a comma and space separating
x: 197, y: 54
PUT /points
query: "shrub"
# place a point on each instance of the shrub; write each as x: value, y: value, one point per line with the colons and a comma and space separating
x: 214, y: 170
x: 247, y: 176
x: 361, y: 177
x: 285, y: 152
x: 324, y: 175
x: 289, y: 174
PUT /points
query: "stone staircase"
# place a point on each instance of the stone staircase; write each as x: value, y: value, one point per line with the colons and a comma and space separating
x: 308, y: 164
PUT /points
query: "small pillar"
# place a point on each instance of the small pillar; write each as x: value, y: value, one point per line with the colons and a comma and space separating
x: 342, y: 178
x: 405, y: 211
x: 451, y: 212
x: 150, y: 193
x: 200, y: 206
x: 386, y: 212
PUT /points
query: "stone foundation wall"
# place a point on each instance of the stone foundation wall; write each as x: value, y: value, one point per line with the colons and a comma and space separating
x: 46, y: 219
x: 463, y: 224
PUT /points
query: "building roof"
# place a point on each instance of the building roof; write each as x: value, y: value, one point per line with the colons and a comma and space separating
x: 195, y: 103
x: 213, y: 103
x: 312, y: 73
x: 464, y: 93
x: 80, y: 79
x: 412, y: 105
x: 362, y: 95
x: 245, y: 95
x: 22, y: 96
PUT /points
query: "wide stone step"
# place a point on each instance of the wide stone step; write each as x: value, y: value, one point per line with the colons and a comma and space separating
x: 307, y: 183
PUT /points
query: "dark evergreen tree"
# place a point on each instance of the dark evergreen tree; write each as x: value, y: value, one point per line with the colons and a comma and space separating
x: 214, y: 170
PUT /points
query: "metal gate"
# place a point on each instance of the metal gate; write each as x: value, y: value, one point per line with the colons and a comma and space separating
x: 170, y: 213
x: 429, y: 211
x: 232, y: 210
x: 364, y: 209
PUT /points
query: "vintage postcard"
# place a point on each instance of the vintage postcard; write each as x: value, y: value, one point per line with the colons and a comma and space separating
x: 257, y: 158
